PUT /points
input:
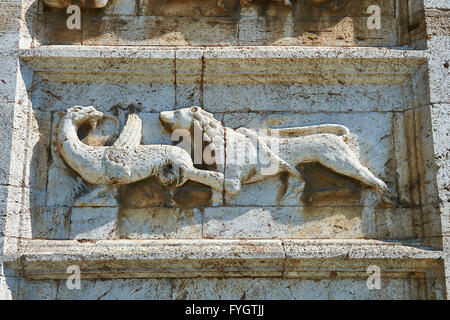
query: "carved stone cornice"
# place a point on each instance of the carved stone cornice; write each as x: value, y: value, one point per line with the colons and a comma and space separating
x: 108, y: 259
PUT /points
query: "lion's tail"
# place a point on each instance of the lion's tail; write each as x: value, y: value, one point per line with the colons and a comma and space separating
x: 336, y: 129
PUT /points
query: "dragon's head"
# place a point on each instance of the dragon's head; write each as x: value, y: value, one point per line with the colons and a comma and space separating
x: 79, y: 115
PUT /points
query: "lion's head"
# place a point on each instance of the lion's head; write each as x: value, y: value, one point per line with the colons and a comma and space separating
x: 193, y: 117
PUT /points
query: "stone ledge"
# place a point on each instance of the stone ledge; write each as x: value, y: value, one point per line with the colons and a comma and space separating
x: 309, y: 65
x: 237, y: 52
x: 441, y: 4
x: 107, y: 259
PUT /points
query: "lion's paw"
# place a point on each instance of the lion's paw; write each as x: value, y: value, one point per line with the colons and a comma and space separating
x: 296, y: 191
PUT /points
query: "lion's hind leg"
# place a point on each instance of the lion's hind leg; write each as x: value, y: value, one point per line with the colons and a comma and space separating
x: 347, y: 164
x: 296, y: 190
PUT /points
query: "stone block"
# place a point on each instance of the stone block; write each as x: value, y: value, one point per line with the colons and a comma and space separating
x: 234, y: 289
x: 51, y: 223
x: 282, y: 222
x: 93, y: 223
x: 300, y: 97
x: 160, y: 223
x: 154, y: 97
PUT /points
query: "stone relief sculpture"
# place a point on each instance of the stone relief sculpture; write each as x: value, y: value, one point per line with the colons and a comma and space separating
x: 325, y: 144
x: 127, y: 161
x: 93, y: 4
x: 250, y: 157
x: 62, y: 4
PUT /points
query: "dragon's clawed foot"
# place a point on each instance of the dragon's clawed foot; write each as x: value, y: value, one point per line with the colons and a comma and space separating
x: 232, y: 186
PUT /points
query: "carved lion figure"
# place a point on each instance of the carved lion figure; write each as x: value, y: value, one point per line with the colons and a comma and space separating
x: 325, y: 144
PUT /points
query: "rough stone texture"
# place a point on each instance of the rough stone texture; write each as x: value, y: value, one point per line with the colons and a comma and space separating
x: 9, y: 45
x: 439, y: 46
x: 172, y: 22
x: 160, y: 223
x: 245, y: 288
x: 394, y: 101
x: 280, y: 262
x: 93, y: 223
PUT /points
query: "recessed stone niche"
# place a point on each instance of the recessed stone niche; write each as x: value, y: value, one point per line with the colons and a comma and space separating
x: 237, y: 23
x: 381, y: 100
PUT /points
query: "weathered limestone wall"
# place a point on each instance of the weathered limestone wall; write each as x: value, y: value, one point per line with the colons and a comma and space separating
x: 182, y: 23
x: 10, y: 17
x: 233, y: 288
x: 438, y: 30
x: 257, y: 244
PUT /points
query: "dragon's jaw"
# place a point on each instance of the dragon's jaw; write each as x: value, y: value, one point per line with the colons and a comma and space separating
x: 92, y: 119
x: 93, y: 123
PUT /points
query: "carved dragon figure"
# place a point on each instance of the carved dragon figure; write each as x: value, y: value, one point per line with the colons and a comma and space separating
x: 127, y: 161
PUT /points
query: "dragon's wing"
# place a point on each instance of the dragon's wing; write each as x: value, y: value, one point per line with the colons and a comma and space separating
x: 131, y: 134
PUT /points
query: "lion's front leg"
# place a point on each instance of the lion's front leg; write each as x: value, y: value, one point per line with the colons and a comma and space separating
x: 215, y: 180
